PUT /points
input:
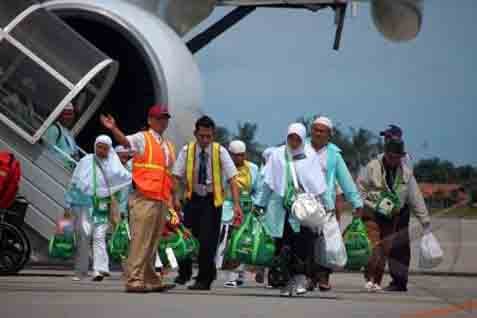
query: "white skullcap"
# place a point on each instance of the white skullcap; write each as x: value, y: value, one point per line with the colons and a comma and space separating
x: 324, y: 121
x: 237, y: 147
x: 121, y: 148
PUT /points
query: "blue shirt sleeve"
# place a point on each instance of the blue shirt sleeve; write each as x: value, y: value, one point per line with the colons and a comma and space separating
x: 346, y: 182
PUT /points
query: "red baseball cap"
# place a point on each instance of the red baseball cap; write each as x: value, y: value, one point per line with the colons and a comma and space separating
x: 159, y: 111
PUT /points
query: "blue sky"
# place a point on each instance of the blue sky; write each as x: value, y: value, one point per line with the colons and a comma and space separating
x: 277, y: 65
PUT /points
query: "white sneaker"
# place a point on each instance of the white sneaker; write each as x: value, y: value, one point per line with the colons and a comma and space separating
x: 377, y: 288
x: 300, y: 287
x: 233, y: 284
x: 289, y: 289
x: 369, y: 286
x: 76, y: 278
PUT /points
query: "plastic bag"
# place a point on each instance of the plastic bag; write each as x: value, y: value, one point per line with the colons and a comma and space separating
x: 357, y: 244
x: 118, y: 245
x: 182, y: 243
x: 62, y: 243
x: 250, y: 244
x: 430, y: 252
x: 331, y: 249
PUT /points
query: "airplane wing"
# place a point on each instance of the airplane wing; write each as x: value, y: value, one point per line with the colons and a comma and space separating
x: 396, y: 20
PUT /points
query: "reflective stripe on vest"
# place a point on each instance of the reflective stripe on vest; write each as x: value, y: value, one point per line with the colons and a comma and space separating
x: 150, y: 173
x: 217, y: 186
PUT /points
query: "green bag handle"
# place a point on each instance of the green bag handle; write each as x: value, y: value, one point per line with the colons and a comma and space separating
x: 240, y: 231
x: 180, y: 233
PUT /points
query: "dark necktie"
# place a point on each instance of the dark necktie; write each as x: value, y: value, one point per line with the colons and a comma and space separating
x: 202, y: 167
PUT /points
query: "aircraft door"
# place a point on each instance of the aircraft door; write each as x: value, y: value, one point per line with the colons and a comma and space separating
x: 45, y: 65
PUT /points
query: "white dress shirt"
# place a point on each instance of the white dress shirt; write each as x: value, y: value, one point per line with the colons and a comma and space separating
x: 228, y: 167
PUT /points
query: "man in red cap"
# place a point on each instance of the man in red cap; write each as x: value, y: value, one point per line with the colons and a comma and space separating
x: 154, y: 157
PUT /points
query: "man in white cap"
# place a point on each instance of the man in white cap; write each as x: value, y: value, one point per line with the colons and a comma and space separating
x: 247, y: 181
x: 61, y: 138
x: 336, y: 173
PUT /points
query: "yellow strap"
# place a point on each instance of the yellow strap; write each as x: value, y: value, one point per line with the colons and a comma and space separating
x: 190, y: 168
x: 217, y: 175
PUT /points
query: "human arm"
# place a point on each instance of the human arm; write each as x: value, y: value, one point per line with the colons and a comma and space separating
x: 109, y: 123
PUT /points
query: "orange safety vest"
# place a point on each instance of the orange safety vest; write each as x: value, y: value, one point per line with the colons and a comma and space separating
x: 150, y: 173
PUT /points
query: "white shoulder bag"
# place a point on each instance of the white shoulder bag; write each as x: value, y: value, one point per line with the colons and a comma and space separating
x: 306, y: 208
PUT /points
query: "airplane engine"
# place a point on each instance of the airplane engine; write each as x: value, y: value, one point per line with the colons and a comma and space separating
x: 397, y: 20
x: 154, y: 65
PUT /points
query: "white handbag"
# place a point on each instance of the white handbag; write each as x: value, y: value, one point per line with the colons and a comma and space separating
x: 306, y: 208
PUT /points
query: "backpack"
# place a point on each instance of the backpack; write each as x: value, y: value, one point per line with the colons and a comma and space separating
x: 10, y: 173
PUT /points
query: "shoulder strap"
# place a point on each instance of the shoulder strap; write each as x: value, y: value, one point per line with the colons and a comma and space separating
x: 292, y: 170
x: 95, y: 162
x: 60, y: 133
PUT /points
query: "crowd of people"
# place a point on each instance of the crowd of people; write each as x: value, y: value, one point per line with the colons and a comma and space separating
x: 210, y: 188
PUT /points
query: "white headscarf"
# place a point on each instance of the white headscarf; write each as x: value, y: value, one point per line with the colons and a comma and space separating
x: 118, y: 177
x: 308, y: 169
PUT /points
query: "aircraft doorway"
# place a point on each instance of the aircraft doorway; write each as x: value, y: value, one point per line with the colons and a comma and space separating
x: 135, y: 87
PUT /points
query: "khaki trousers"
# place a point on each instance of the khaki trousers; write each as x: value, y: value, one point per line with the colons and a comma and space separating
x: 147, y: 220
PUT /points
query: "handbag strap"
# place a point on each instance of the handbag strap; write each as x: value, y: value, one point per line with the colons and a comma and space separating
x: 291, y: 166
x: 96, y: 163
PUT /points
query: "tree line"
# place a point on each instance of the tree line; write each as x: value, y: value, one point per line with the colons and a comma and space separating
x: 358, y: 147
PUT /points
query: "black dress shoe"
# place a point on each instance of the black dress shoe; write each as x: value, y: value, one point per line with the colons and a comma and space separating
x: 180, y: 280
x: 199, y: 286
x: 395, y: 288
x: 162, y: 288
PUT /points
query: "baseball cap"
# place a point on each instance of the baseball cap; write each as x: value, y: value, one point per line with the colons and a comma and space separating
x: 159, y: 111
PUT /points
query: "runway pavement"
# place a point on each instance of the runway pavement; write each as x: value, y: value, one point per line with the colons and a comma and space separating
x: 47, y: 293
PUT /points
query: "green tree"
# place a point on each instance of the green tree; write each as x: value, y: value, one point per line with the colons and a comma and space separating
x: 222, y: 136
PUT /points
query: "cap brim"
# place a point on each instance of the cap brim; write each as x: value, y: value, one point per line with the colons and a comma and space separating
x: 160, y: 116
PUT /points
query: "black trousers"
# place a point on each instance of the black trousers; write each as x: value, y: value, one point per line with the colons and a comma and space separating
x: 203, y: 219
x: 400, y: 255
x: 300, y: 247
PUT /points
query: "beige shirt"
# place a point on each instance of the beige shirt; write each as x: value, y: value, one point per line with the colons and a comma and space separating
x: 228, y: 167
x: 373, y: 181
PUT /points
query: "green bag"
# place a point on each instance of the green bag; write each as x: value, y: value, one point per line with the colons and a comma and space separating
x: 358, y: 245
x: 118, y: 245
x: 62, y: 246
x: 389, y: 201
x: 250, y: 244
x: 183, y: 248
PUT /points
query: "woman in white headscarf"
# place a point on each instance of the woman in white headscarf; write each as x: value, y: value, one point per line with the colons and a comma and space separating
x: 278, y: 219
x: 95, y: 180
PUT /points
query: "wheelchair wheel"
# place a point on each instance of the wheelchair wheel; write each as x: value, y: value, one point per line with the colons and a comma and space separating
x: 14, y: 249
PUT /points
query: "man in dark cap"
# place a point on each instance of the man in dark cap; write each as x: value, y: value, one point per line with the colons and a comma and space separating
x: 389, y: 189
x: 400, y: 255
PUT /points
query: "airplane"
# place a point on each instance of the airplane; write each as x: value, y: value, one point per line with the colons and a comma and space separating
x: 143, y: 37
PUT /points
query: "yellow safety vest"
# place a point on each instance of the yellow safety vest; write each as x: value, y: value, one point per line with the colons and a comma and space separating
x: 217, y: 185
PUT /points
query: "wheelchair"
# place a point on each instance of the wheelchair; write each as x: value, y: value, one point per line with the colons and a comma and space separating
x: 15, y: 247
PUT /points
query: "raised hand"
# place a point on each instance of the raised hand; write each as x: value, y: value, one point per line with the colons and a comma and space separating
x: 108, y: 121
